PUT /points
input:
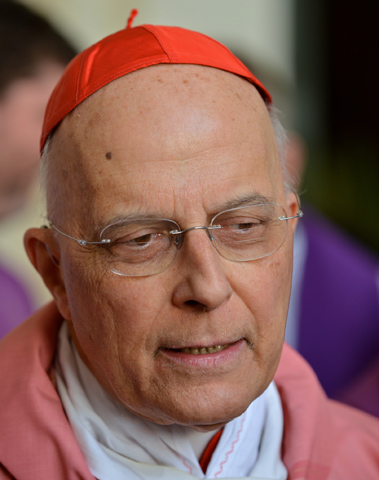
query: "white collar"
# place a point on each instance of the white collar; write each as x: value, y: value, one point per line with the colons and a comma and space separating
x: 118, y: 444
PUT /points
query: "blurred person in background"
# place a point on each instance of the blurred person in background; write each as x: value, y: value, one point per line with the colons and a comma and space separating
x: 32, y: 57
x: 333, y: 317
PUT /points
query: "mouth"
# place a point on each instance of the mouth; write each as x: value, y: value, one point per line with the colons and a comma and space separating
x: 201, y: 356
x: 204, y: 350
x: 200, y: 350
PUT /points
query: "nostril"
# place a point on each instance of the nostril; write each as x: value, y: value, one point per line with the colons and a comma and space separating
x: 195, y: 305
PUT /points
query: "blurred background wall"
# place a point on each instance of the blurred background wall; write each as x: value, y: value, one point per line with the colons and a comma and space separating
x: 318, y: 57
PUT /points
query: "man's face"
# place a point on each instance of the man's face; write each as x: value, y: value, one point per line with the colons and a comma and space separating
x: 21, y: 114
x: 182, y: 143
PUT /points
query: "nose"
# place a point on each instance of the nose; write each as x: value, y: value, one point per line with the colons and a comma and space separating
x: 203, y: 284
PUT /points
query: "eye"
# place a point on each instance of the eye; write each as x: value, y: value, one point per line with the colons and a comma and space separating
x: 139, y: 247
x: 244, y: 225
x: 138, y: 240
x: 142, y: 240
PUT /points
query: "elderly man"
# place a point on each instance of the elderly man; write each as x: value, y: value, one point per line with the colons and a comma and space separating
x: 168, y: 251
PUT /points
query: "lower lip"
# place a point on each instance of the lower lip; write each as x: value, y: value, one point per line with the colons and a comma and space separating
x: 205, y: 360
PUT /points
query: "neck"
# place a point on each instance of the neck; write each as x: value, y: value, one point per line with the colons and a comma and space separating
x: 198, y: 440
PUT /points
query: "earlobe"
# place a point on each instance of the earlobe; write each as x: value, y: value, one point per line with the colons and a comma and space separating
x: 44, y: 255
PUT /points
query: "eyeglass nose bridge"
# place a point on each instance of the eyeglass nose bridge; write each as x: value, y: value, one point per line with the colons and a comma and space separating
x: 179, y: 234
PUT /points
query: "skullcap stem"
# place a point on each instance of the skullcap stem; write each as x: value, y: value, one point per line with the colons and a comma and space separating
x: 133, y: 14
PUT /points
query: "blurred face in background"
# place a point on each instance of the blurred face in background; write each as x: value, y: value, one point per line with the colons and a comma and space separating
x: 22, y: 107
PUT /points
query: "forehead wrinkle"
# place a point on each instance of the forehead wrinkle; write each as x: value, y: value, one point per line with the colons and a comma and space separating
x: 184, y: 192
x: 132, y: 208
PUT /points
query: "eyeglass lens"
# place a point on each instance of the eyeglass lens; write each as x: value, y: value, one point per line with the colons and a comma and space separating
x: 146, y: 247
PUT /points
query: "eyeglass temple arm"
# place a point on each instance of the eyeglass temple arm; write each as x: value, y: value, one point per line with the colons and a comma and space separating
x: 77, y: 240
x: 299, y: 214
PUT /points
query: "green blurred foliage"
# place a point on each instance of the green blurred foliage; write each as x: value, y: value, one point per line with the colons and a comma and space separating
x: 343, y: 183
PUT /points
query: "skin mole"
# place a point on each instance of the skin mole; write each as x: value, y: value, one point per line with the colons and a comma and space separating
x: 108, y: 155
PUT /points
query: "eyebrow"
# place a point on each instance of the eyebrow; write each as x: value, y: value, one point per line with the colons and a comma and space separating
x: 244, y: 201
x: 240, y: 201
x: 124, y: 217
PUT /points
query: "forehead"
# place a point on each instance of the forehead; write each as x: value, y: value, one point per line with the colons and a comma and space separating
x: 172, y: 126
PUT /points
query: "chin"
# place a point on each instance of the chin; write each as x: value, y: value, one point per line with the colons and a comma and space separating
x: 213, y: 420
x: 210, y: 412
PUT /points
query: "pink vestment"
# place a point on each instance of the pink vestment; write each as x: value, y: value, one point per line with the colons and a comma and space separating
x: 322, y: 439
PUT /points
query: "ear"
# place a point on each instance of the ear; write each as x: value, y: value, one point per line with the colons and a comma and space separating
x: 43, y: 252
x: 293, y: 208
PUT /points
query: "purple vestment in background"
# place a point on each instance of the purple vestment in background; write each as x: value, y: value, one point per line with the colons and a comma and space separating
x: 338, y: 324
x: 15, y: 303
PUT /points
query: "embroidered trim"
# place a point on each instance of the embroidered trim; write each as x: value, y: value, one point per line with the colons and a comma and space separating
x: 187, y: 466
x: 232, y: 448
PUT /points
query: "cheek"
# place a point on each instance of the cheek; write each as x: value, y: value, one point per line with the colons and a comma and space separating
x: 115, y: 324
x: 93, y: 319
x: 87, y: 306
x: 264, y: 286
x: 112, y: 312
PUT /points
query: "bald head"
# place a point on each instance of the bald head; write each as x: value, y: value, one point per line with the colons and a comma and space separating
x: 174, y: 103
